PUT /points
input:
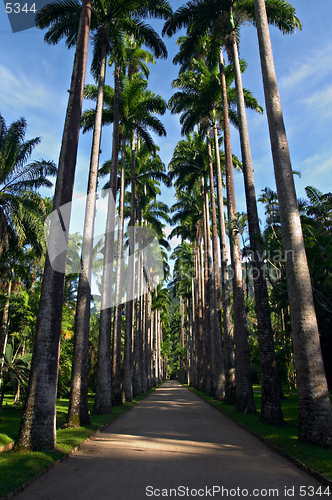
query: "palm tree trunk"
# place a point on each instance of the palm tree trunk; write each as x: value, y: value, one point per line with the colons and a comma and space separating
x: 159, y: 339
x: 244, y: 393
x: 315, y: 416
x: 116, y: 360
x: 211, y: 298
x: 199, y: 344
x: 188, y: 340
x: 226, y: 299
x: 193, y: 358
x: 103, y: 396
x: 138, y: 368
x: 155, y: 346
x: 5, y: 324
x: 130, y: 316
x: 78, y: 411
x: 148, y: 323
x: 181, y: 372
x: 219, y: 362
x: 145, y: 366
x: 194, y: 312
x: 206, y: 286
x: 37, y: 429
x: 270, y: 408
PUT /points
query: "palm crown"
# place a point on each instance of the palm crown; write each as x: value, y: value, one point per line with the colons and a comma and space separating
x: 21, y: 207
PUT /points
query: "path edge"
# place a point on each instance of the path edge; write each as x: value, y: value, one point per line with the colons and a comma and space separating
x: 323, y: 479
x: 23, y: 486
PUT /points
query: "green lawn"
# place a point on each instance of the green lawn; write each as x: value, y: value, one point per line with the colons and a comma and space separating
x: 285, y: 438
x: 16, y: 468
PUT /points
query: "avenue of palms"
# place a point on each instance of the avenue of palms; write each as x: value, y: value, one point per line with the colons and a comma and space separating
x: 220, y: 313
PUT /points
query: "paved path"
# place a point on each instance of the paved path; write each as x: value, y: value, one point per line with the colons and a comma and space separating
x: 172, y: 440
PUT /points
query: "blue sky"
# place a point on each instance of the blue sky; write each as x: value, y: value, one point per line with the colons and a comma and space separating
x: 35, y: 78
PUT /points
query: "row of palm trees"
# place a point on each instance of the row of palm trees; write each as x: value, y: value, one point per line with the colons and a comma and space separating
x: 206, y: 102
x: 210, y: 27
x: 108, y: 24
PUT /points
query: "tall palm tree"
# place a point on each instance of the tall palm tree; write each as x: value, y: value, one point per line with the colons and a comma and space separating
x: 143, y: 107
x: 199, y: 101
x: 220, y: 21
x: 315, y: 416
x: 160, y: 304
x: 62, y: 19
x: 188, y: 166
x: 137, y: 111
x: 109, y: 22
x: 37, y: 429
x: 270, y: 406
x: 187, y: 218
x: 151, y: 214
x: 131, y: 90
x: 126, y: 22
x: 182, y: 285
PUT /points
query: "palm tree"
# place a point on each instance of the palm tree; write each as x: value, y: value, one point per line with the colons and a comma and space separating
x: 37, y: 429
x: 187, y: 217
x: 190, y: 157
x: 16, y: 366
x: 108, y: 23
x: 315, y: 416
x: 150, y: 213
x: 183, y: 287
x: 126, y: 15
x: 22, y: 209
x: 131, y: 91
x: 143, y: 106
x: 270, y: 406
x: 137, y: 112
x: 160, y: 303
x: 199, y: 101
x: 220, y: 22
x: 20, y: 206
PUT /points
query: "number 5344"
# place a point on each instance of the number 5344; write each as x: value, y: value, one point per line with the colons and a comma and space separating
x: 16, y: 8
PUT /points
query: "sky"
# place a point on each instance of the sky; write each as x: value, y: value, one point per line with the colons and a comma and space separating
x: 35, y: 78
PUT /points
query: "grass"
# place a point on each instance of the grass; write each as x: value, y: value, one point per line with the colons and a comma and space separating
x: 315, y: 457
x: 16, y: 468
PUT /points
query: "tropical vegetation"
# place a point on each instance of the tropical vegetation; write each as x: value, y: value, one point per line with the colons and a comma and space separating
x: 237, y: 302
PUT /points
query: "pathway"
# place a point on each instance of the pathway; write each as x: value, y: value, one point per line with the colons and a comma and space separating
x: 173, y: 444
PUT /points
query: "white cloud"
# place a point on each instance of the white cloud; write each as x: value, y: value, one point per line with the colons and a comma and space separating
x: 18, y: 92
x: 315, y: 66
x: 319, y: 163
x: 43, y: 107
x: 316, y: 169
x: 320, y: 103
